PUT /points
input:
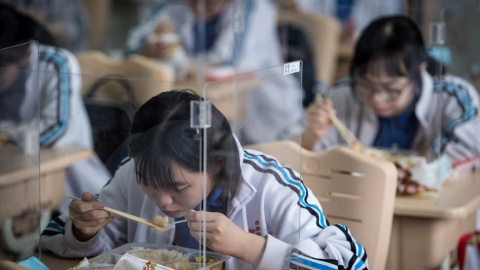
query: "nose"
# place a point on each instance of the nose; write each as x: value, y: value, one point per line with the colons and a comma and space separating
x: 379, y: 96
x: 164, y: 198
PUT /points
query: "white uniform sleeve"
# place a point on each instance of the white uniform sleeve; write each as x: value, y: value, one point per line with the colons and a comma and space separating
x: 58, y: 237
x: 315, y: 244
x: 460, y: 121
x: 298, y: 233
x: 58, y: 86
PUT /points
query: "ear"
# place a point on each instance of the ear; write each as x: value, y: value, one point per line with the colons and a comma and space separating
x: 220, y: 165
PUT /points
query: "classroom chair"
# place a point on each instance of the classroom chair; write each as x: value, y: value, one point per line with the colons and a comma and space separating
x: 113, y: 91
x: 323, y: 32
x: 353, y: 189
x: 146, y: 77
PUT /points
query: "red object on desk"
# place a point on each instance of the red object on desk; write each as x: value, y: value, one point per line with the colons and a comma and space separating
x: 464, y: 241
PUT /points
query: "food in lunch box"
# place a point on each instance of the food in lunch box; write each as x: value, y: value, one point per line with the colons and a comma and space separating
x: 159, y: 256
x: 160, y: 221
x: 172, y: 258
x: 199, y: 259
x: 408, y: 186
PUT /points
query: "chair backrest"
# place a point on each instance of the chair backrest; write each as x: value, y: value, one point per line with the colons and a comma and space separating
x: 110, y: 121
x: 324, y: 33
x: 147, y: 77
x: 353, y: 188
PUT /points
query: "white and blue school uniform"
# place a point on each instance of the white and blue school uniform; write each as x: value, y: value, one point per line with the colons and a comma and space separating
x: 271, y: 201
x: 446, y: 111
x: 53, y: 97
x: 243, y: 37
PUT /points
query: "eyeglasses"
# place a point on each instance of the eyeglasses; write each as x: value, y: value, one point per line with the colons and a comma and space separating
x: 386, y: 93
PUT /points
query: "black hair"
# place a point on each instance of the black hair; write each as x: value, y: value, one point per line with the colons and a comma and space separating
x: 161, y: 136
x: 17, y: 28
x: 397, y: 41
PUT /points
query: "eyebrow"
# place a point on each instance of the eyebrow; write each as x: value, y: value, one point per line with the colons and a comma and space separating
x: 389, y: 83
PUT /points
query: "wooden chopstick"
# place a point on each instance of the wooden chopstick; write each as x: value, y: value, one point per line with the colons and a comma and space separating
x: 347, y: 135
x: 126, y: 215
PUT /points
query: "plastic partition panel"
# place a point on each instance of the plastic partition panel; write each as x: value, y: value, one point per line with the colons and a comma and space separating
x: 134, y: 116
x: 255, y: 108
x: 24, y: 212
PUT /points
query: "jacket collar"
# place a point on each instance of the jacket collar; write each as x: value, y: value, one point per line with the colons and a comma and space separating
x: 422, y: 108
x: 245, y: 192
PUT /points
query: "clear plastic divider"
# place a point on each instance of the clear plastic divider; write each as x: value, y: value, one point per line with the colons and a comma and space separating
x: 250, y: 112
x: 24, y: 200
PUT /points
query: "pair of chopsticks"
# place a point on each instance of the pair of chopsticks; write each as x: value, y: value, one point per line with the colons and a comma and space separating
x: 132, y: 217
x: 347, y: 135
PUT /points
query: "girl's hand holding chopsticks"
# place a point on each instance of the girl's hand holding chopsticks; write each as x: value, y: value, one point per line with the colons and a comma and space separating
x: 88, y: 217
x: 317, y: 122
x: 161, y: 223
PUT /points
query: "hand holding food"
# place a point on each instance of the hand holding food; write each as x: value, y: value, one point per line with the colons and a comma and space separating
x: 317, y: 118
x: 223, y: 236
x: 88, y: 216
x: 162, y: 42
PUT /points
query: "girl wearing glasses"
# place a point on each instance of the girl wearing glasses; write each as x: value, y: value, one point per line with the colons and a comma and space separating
x: 391, y: 101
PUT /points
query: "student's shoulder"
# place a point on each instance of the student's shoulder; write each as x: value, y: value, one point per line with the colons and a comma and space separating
x: 266, y: 169
x: 124, y: 172
x: 63, y: 59
x: 49, y: 51
x: 455, y: 86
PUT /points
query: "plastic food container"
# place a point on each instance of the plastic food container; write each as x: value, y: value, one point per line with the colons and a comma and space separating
x: 193, y: 261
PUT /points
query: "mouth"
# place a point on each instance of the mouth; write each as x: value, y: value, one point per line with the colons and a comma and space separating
x: 170, y: 213
x: 380, y: 110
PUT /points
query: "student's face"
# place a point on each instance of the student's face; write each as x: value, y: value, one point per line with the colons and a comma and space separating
x: 8, y: 75
x: 207, y: 11
x: 188, y: 194
x: 387, y: 96
x: 10, y: 72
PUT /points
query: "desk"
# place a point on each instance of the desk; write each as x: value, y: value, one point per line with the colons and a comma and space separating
x: 54, y: 262
x: 425, y: 230
x: 29, y: 185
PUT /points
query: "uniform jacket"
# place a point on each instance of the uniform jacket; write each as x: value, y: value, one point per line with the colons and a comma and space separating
x: 53, y: 98
x: 447, y: 112
x: 271, y: 201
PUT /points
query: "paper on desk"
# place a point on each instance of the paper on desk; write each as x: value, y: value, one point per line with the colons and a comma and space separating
x: 435, y: 173
x: 130, y: 262
x: 84, y: 264
x: 430, y: 174
x: 33, y: 263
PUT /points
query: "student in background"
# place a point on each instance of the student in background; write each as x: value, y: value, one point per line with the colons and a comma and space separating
x: 257, y: 211
x: 64, y: 20
x: 391, y: 101
x: 236, y: 35
x: 354, y: 15
x: 48, y: 91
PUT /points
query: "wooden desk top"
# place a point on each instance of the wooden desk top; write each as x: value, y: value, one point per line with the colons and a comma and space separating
x: 15, y: 166
x: 457, y: 199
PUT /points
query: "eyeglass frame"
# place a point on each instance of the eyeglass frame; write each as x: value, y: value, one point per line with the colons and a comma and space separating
x: 388, y: 95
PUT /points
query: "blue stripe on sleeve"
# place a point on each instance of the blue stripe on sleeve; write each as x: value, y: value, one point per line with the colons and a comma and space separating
x: 290, y: 181
x: 64, y: 91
